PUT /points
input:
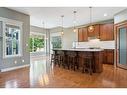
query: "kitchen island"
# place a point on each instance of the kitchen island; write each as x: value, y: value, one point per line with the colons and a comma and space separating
x: 97, y: 56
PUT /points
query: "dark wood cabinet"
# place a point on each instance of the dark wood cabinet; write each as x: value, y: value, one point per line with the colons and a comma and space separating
x: 98, y: 60
x: 105, y: 57
x: 106, y: 32
x: 108, y: 56
x: 82, y: 34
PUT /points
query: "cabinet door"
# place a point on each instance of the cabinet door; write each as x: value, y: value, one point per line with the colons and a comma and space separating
x: 97, y: 31
x: 106, y: 32
x: 110, y: 57
x: 80, y: 35
x: 110, y: 32
x: 103, y: 30
x: 105, y: 57
x: 85, y: 34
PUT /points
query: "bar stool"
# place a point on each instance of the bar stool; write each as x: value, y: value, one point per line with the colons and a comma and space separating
x: 55, y: 58
x: 61, y: 57
x: 87, y: 63
x: 72, y: 60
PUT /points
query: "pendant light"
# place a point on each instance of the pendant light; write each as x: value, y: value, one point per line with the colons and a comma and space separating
x: 74, y: 29
x: 91, y: 27
x: 62, y: 33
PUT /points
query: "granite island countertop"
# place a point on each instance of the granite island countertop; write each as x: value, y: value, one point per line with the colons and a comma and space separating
x: 80, y: 49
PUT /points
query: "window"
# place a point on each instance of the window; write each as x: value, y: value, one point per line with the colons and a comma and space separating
x: 56, y: 42
x: 37, y: 43
x: 12, y: 40
x: 11, y: 34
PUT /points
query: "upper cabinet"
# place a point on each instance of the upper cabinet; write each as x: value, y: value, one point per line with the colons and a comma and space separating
x: 82, y: 34
x: 96, y: 32
x: 106, y: 32
x: 85, y: 34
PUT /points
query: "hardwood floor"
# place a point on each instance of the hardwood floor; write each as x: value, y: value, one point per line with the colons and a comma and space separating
x: 42, y: 74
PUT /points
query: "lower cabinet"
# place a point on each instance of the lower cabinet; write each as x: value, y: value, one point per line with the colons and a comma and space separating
x: 108, y: 56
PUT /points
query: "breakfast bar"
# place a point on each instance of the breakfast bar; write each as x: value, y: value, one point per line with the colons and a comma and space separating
x: 96, y: 56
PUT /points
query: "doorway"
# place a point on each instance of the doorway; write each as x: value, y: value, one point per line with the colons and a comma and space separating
x: 37, y: 43
x: 121, y: 45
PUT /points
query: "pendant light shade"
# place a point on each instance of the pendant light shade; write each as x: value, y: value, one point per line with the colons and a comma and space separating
x: 62, y: 33
x: 74, y: 29
x: 91, y: 27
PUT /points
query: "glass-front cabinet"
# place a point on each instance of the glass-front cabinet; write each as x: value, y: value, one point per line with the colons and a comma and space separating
x: 121, y: 45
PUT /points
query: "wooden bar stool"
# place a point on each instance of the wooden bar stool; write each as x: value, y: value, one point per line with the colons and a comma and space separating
x: 73, y: 60
x: 61, y: 58
x: 55, y: 58
x: 87, y: 63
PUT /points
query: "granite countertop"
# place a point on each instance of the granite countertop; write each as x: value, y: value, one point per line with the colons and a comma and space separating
x: 80, y: 49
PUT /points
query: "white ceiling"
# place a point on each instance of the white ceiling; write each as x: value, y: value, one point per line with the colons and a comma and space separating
x: 52, y: 15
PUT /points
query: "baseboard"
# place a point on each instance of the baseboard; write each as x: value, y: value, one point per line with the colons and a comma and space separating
x: 14, y: 68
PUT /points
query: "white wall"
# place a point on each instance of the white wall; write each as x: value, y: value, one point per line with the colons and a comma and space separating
x: 121, y: 16
x: 67, y: 38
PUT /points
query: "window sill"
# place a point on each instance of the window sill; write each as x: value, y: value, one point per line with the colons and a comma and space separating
x: 12, y: 56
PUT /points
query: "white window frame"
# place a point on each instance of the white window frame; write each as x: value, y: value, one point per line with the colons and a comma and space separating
x: 14, y: 23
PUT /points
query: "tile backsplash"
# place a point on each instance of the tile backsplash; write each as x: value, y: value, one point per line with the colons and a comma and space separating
x: 95, y: 43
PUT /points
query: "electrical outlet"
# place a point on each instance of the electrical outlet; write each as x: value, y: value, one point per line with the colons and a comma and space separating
x: 26, y: 44
x: 15, y: 62
x: 22, y: 61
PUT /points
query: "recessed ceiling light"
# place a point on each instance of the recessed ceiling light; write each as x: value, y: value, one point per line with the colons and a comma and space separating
x: 105, y: 14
